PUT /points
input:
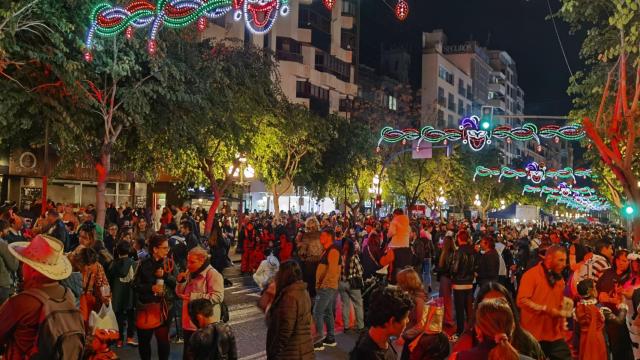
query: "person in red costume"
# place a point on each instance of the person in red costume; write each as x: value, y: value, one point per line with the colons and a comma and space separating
x: 249, y: 242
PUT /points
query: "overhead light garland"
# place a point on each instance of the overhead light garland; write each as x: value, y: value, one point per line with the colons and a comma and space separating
x: 562, y: 189
x: 534, y: 172
x: 470, y: 133
x: 110, y: 20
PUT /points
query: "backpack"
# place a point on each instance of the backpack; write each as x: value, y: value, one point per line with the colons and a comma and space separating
x: 418, y: 249
x: 61, y: 333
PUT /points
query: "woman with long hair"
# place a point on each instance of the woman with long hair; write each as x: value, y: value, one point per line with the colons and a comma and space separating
x: 522, y: 340
x: 409, y: 280
x: 371, y: 254
x: 289, y: 318
x: 494, y: 328
x: 444, y: 277
x: 154, y: 285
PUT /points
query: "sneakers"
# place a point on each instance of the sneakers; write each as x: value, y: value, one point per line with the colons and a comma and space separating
x: 179, y: 340
x: 329, y: 342
x: 319, y: 346
x: 132, y: 341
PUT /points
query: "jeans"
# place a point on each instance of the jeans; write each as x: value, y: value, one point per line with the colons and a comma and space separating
x: 426, y: 273
x: 445, y: 294
x: 347, y: 294
x: 323, y: 312
x: 162, y: 337
x: 127, y: 317
x: 463, y: 300
x: 556, y: 350
x: 178, y: 317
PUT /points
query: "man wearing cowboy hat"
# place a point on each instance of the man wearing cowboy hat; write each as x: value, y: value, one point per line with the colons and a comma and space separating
x: 43, y: 265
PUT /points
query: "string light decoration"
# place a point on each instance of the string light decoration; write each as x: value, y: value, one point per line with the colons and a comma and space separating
x: 476, y: 138
x: 402, y: 10
x: 534, y: 172
x: 108, y: 20
x: 563, y: 189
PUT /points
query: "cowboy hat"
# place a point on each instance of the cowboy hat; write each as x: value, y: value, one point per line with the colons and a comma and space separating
x: 45, y: 255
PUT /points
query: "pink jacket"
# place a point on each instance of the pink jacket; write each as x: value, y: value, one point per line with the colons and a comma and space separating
x: 207, y: 284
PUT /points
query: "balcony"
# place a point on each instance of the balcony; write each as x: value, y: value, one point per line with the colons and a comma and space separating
x: 498, y: 88
x: 282, y: 55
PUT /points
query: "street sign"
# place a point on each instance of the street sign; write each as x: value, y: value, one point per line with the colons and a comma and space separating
x: 425, y: 151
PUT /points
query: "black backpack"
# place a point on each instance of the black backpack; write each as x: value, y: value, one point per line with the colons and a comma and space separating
x: 61, y: 333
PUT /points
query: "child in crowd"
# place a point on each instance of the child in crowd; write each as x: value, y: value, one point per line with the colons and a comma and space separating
x: 213, y: 339
x: 591, y: 319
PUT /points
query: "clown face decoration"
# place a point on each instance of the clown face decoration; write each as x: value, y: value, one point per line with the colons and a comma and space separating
x: 565, y: 190
x: 259, y: 15
x: 472, y: 134
x: 535, y: 172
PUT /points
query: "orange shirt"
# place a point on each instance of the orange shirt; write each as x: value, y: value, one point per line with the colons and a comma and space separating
x: 534, y: 288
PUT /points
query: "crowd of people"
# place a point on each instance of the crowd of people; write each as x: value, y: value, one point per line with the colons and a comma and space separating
x: 408, y: 287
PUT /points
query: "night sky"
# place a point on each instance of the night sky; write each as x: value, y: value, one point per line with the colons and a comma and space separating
x: 516, y: 26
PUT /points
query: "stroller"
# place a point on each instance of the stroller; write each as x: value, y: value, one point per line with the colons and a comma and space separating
x: 377, y: 281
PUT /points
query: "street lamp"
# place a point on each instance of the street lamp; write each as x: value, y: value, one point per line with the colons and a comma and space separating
x: 502, y: 204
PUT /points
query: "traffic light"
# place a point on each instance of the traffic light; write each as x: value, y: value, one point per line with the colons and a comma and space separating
x: 629, y: 210
x: 486, y: 119
x: 378, y: 201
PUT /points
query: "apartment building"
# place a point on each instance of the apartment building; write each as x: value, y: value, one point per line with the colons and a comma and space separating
x: 446, y: 89
x: 316, y: 49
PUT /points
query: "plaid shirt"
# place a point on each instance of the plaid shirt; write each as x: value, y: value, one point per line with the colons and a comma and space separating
x: 354, y: 270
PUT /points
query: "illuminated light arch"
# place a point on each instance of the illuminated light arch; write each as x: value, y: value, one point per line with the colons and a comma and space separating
x: 534, y: 172
x: 110, y: 20
x: 470, y: 134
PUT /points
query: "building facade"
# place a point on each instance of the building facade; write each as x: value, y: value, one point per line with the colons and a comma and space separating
x: 446, y: 89
x: 316, y: 50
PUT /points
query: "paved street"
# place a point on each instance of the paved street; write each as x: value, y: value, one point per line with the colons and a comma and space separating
x: 247, y: 321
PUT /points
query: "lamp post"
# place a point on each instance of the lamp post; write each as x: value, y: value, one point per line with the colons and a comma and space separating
x: 478, y: 204
x: 376, y: 189
x: 243, y: 171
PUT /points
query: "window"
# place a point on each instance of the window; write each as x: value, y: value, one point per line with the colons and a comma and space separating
x: 450, y: 120
x: 468, y: 112
x: 288, y: 49
x: 348, y: 8
x: 442, y: 72
x: 332, y: 65
x: 347, y: 39
x: 442, y: 101
x: 460, y: 107
x: 450, y: 78
x: 392, y: 102
x: 462, y: 90
x: 469, y: 92
x: 452, y: 102
x: 440, y: 118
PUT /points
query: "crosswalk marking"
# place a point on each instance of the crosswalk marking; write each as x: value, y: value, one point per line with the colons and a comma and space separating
x: 260, y: 355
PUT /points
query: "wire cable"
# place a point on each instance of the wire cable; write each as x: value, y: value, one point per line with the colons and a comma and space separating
x: 555, y: 27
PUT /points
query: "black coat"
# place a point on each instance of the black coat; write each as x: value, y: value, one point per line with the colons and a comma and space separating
x: 289, y: 334
x: 146, y: 278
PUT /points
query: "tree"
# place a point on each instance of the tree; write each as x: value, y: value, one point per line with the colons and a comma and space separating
x: 347, y: 166
x: 97, y: 110
x: 612, y: 35
x: 285, y: 141
x: 232, y: 91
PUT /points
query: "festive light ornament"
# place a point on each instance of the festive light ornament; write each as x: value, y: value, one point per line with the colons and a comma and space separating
x: 110, y: 20
x: 329, y: 4
x: 402, y: 10
x: 470, y: 134
x: 534, y: 172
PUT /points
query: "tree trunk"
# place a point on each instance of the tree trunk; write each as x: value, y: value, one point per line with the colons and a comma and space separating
x: 214, y: 205
x: 276, y: 202
x: 102, y: 168
x: 635, y: 231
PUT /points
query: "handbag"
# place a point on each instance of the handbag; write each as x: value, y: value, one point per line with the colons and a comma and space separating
x: 432, y: 318
x: 151, y: 315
